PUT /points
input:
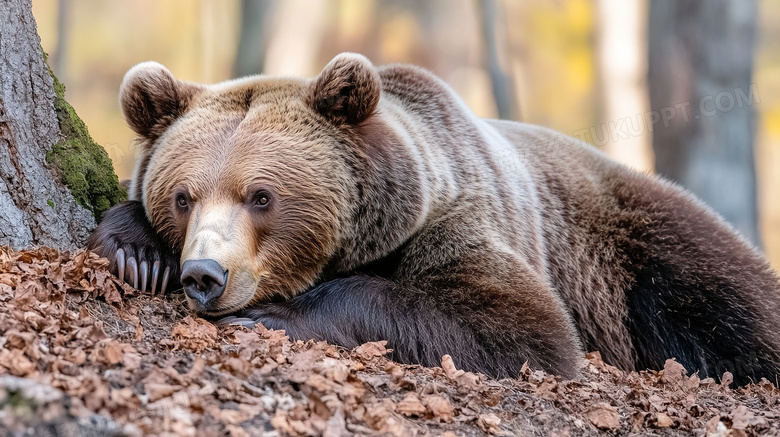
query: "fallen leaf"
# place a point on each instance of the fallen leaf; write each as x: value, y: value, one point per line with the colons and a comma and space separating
x: 410, y: 406
x: 439, y: 407
x: 741, y: 417
x: 604, y: 416
x: 471, y: 380
x: 674, y: 373
x: 336, y: 427
x: 663, y: 420
x: 371, y: 350
x: 157, y: 391
x: 109, y: 352
x: 195, y: 333
x: 489, y: 423
x: 16, y: 362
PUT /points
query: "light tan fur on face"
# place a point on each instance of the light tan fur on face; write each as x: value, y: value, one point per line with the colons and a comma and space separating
x: 220, y: 231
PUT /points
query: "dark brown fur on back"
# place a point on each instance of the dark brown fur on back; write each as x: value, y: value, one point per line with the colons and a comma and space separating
x: 648, y: 272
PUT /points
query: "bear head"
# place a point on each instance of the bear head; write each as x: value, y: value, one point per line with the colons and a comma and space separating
x: 264, y: 178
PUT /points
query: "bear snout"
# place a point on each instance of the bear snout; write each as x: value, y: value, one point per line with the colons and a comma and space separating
x: 204, y: 280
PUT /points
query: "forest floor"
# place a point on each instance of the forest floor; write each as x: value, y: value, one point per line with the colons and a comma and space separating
x: 82, y: 354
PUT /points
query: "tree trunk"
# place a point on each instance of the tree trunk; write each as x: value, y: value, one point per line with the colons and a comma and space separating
x: 623, y: 75
x: 293, y: 49
x: 253, y: 40
x: 700, y: 67
x: 41, y: 145
x: 501, y: 85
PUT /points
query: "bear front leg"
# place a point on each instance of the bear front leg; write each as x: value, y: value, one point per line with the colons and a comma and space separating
x: 482, y: 321
x: 354, y: 310
x: 137, y: 255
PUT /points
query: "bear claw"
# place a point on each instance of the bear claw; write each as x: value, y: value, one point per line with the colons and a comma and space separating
x: 236, y: 321
x: 166, y: 276
x: 130, y: 272
x: 155, y: 276
x: 120, y: 263
x: 144, y: 275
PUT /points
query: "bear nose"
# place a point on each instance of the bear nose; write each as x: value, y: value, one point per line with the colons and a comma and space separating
x: 203, y: 280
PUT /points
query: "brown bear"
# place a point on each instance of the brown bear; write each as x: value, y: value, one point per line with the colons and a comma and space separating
x: 371, y: 204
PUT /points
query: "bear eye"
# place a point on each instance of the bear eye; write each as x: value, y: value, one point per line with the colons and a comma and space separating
x: 181, y: 201
x: 262, y: 199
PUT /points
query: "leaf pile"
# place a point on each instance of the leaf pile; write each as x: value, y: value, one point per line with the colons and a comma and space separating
x: 81, y: 351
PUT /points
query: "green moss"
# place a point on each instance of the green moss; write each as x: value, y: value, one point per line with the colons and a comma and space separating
x: 50, y: 203
x: 83, y: 165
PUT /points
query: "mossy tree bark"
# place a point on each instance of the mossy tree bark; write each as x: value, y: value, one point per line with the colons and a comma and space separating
x: 54, y: 180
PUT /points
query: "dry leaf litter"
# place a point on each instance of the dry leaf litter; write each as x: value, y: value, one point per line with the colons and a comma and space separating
x: 83, y: 354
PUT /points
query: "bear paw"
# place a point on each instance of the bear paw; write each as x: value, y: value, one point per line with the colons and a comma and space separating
x: 136, y: 254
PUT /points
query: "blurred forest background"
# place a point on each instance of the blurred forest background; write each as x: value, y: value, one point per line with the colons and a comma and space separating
x: 577, y: 66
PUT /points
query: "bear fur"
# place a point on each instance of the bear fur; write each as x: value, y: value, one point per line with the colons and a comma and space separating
x: 370, y: 204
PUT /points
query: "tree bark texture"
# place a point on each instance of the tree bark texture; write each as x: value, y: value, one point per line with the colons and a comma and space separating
x: 700, y: 67
x: 35, y: 208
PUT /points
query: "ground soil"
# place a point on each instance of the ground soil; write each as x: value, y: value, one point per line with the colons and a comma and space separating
x: 82, y: 354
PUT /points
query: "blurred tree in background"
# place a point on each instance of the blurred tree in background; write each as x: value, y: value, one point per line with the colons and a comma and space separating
x: 500, y: 81
x: 250, y: 55
x: 63, y: 35
x: 621, y: 40
x: 700, y: 81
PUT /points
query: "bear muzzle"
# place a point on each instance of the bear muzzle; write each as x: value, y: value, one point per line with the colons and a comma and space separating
x: 204, y: 280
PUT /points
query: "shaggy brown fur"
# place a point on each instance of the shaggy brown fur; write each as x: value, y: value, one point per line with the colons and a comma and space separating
x: 394, y: 213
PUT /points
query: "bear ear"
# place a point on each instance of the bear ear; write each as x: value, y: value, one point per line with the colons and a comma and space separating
x: 347, y: 90
x: 151, y: 98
